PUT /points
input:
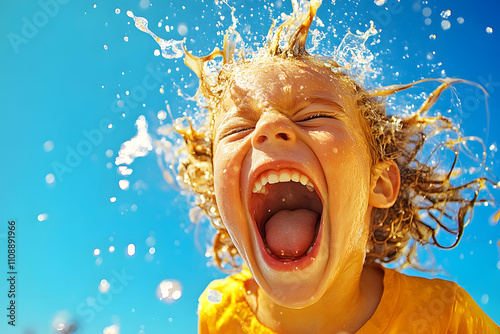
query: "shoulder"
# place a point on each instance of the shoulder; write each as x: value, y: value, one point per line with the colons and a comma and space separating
x: 468, y: 317
x: 414, y: 304
x: 435, y: 306
x: 434, y: 292
x: 221, y: 304
x: 223, y: 292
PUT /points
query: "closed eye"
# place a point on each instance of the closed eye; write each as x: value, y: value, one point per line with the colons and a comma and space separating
x: 315, y: 116
x: 235, y: 131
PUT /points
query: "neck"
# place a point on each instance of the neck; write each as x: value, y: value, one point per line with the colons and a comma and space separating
x: 346, y: 306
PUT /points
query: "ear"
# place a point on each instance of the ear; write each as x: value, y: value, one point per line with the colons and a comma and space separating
x: 384, y: 188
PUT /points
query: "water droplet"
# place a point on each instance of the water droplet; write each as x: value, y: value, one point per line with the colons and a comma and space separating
x: 105, y: 47
x: 113, y: 329
x: 380, y: 2
x: 432, y: 36
x: 50, y: 178
x: 117, y: 10
x: 48, y: 145
x: 42, y: 217
x: 162, y: 114
x: 125, y: 38
x: 112, y: 199
x: 111, y: 249
x: 445, y: 24
x: 489, y: 30
x: 485, y: 299
x: 131, y: 250
x: 150, y: 241
x: 182, y: 29
x: 214, y: 296
x: 426, y: 12
x: 104, y: 286
x: 428, y: 21
x: 63, y: 322
x: 460, y: 20
x: 123, y: 184
x: 97, y: 251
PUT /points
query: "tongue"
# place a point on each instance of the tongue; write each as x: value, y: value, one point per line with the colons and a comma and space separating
x: 290, y: 233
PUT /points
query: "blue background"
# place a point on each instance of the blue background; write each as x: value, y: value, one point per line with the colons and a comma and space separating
x: 59, y: 82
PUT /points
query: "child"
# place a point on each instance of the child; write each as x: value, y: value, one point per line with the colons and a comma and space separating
x: 307, y: 179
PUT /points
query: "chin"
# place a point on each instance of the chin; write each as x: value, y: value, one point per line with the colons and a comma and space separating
x: 295, y: 295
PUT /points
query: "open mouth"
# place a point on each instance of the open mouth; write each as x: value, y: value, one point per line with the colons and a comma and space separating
x: 286, y: 209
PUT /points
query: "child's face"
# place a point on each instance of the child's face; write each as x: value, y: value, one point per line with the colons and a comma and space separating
x: 289, y: 119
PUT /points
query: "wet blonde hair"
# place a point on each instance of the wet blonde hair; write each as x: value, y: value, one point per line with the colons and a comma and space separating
x: 428, y: 201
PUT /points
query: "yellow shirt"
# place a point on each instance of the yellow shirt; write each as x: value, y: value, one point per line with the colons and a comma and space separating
x: 408, y: 305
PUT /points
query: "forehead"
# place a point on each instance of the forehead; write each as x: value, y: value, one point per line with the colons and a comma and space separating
x: 283, y: 84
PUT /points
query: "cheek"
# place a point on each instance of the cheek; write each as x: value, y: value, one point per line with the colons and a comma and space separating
x: 348, y: 163
x: 226, y: 170
x: 227, y: 166
x: 328, y: 142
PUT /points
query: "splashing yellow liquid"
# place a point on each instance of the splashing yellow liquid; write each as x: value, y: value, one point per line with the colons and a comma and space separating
x: 440, y: 203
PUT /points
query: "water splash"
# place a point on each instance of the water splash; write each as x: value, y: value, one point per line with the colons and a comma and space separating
x: 124, y: 170
x: 353, y: 54
x: 169, y: 48
x: 138, y: 146
x: 446, y: 14
x: 169, y: 291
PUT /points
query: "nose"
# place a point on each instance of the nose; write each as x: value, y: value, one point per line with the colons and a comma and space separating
x: 273, y: 129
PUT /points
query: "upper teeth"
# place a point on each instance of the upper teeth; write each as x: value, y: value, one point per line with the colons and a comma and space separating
x: 283, y: 175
